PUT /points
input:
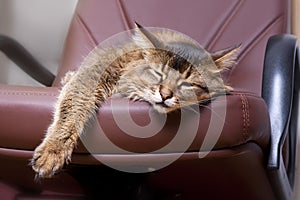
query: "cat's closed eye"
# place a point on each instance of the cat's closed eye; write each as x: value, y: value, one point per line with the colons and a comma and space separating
x: 204, y: 88
x: 184, y: 85
x: 152, y: 76
x: 157, y: 73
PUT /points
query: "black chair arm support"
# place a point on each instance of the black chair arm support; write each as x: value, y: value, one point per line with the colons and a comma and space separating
x: 280, y: 95
x: 21, y: 57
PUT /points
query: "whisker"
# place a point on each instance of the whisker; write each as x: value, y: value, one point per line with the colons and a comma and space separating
x: 212, y: 111
x: 218, y: 101
x: 201, y: 104
x: 191, y: 109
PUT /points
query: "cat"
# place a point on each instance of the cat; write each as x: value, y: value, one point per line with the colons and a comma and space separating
x: 164, y: 68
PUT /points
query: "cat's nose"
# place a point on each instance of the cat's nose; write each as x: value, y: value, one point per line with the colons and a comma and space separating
x: 165, y: 93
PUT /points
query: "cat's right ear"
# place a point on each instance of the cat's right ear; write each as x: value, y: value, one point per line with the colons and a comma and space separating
x: 227, y: 57
x: 145, y: 39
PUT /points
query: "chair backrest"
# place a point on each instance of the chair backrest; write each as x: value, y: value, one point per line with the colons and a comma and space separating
x: 214, y: 24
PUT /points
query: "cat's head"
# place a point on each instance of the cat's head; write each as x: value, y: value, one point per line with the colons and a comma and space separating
x: 175, y: 71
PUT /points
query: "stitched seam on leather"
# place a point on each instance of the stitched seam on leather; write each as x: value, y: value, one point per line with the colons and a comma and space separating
x: 124, y: 14
x: 85, y: 28
x: 222, y: 26
x: 55, y: 94
x: 260, y: 35
x: 245, y: 116
x: 247, y: 48
x: 28, y: 94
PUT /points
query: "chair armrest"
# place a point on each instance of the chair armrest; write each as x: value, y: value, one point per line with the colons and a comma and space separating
x: 280, y: 95
x: 278, y: 89
x: 21, y: 57
x: 25, y: 114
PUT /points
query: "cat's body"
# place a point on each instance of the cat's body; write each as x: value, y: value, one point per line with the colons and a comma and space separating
x: 168, y: 70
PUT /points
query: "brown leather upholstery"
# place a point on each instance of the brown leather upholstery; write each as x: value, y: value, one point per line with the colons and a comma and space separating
x: 235, y: 169
x: 225, y: 23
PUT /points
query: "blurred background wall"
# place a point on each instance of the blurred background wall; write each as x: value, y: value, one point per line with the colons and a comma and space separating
x: 41, y: 27
x: 296, y: 18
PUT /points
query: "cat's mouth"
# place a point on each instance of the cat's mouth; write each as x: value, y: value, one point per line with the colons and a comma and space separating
x: 166, y: 104
x: 161, y: 107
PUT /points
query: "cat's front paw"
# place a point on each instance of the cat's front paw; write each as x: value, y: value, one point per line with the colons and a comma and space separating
x: 49, y: 158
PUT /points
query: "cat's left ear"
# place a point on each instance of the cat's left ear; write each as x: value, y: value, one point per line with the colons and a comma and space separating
x: 227, y: 57
x: 145, y: 39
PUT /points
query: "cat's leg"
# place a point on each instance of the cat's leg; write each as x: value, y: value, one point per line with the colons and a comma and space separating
x: 77, y: 103
x: 67, y: 77
x: 62, y: 135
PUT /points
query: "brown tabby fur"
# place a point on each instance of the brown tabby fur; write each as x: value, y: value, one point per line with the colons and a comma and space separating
x: 168, y: 70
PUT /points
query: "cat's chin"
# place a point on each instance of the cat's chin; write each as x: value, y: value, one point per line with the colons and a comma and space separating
x: 163, y: 108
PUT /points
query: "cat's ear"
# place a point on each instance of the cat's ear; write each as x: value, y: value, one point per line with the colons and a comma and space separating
x: 145, y: 39
x: 227, y: 57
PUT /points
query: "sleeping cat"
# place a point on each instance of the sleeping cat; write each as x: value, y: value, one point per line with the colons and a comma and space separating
x: 167, y: 69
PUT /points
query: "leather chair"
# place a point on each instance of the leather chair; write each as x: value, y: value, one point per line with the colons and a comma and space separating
x: 254, y: 155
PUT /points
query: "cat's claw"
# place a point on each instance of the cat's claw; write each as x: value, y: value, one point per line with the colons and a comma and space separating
x: 49, y: 159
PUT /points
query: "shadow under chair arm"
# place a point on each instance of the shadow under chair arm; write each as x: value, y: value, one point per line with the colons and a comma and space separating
x: 282, y: 100
x: 21, y: 57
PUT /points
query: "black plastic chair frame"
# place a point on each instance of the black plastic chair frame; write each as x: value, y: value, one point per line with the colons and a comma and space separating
x: 280, y: 91
x: 21, y: 57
